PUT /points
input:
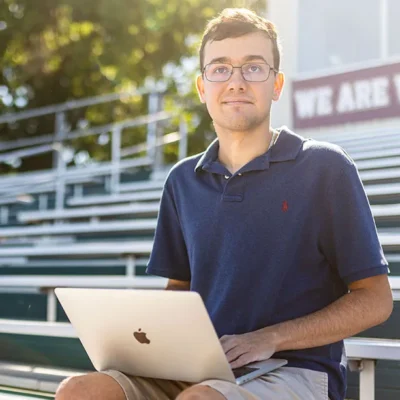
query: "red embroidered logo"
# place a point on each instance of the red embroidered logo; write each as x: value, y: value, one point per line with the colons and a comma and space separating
x: 285, y: 206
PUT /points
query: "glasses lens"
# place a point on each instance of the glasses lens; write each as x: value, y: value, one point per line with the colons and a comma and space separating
x: 256, y: 72
x: 218, y: 72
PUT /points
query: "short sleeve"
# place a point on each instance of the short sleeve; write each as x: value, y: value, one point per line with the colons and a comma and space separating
x: 349, y: 237
x: 169, y: 254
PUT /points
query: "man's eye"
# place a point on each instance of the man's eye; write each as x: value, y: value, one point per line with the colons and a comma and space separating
x: 221, y: 70
x: 254, y: 68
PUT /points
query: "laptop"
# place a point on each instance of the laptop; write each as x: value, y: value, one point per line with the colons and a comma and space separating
x: 153, y: 333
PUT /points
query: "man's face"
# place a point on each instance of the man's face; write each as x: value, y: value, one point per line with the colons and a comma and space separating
x: 238, y: 105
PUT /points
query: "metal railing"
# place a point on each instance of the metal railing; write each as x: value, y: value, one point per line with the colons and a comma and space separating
x: 62, y: 175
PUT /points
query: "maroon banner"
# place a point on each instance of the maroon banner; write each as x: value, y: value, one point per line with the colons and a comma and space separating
x: 362, y: 95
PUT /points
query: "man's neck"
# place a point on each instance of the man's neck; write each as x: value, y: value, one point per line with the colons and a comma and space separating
x: 239, y: 148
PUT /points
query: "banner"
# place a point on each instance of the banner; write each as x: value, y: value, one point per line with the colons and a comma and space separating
x: 348, y: 97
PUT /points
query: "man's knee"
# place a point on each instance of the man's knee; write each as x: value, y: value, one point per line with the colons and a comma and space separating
x: 93, y: 386
x: 200, y: 392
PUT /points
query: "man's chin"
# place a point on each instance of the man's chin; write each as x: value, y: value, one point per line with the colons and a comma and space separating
x: 240, y: 126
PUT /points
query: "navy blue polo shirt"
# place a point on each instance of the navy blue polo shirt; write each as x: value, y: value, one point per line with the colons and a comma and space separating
x: 279, y: 239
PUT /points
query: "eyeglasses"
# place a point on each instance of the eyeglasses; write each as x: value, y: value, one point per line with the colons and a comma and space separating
x: 251, y: 72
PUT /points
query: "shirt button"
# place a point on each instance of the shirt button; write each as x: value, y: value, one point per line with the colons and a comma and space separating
x: 226, y: 176
x: 240, y: 174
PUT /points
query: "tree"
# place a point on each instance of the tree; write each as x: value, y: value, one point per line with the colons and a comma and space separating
x: 56, y: 50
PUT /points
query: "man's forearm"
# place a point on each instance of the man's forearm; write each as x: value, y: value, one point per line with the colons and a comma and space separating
x: 349, y: 315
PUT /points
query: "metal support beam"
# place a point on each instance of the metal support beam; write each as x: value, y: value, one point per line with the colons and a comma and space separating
x: 183, y: 142
x: 367, y: 380
x: 152, y: 127
x: 366, y: 368
x: 116, y: 159
x: 51, y: 306
x: 155, y: 152
x: 131, y: 265
x: 59, y: 161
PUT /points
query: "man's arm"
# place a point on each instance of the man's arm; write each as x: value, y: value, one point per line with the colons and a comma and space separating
x: 177, y: 285
x: 368, y: 303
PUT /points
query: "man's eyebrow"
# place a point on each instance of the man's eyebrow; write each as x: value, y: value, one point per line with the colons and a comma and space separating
x: 220, y: 60
x: 255, y: 57
x: 251, y: 57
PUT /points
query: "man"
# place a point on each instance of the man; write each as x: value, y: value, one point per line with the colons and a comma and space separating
x: 273, y: 230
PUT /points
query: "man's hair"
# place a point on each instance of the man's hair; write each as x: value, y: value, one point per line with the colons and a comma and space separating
x: 236, y: 22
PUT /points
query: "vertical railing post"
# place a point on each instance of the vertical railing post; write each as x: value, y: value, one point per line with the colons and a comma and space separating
x: 116, y: 159
x: 152, y: 127
x: 154, y: 149
x: 60, y: 161
x: 159, y: 161
x: 183, y: 139
x: 51, y: 306
x: 131, y: 265
x: 367, y: 380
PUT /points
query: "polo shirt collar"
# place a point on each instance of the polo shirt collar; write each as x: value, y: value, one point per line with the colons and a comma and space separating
x: 209, y: 156
x: 286, y: 148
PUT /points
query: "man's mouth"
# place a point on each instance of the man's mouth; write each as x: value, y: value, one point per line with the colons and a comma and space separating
x: 236, y: 102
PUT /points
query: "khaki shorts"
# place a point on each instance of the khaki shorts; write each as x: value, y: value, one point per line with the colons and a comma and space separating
x: 285, y: 383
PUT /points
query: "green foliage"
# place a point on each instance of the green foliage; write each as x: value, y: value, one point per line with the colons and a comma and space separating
x: 52, y: 51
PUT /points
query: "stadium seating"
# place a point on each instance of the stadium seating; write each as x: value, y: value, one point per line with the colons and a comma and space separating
x: 101, y: 238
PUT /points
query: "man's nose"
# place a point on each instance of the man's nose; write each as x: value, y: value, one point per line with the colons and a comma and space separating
x: 236, y: 81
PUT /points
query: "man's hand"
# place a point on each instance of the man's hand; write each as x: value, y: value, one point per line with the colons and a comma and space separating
x: 249, y: 347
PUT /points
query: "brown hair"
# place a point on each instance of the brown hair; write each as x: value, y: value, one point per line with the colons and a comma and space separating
x: 236, y: 22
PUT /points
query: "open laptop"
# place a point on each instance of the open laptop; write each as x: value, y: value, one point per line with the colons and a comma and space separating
x: 153, y: 333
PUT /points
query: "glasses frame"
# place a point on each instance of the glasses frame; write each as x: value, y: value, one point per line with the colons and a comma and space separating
x: 241, y: 71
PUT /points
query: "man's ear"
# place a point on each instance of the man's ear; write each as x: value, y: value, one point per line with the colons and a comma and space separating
x: 278, y: 86
x: 200, y: 88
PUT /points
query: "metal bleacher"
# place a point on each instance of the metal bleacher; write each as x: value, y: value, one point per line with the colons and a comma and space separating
x: 46, y: 244
x: 93, y: 227
x: 376, y: 155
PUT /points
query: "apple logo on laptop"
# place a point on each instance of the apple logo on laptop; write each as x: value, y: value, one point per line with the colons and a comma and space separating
x: 141, y: 337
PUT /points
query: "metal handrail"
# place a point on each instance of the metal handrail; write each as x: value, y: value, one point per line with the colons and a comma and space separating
x: 61, y: 174
x: 95, y: 170
x: 50, y: 138
x: 69, y: 105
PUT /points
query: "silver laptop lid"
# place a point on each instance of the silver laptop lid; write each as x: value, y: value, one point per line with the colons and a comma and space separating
x: 151, y: 333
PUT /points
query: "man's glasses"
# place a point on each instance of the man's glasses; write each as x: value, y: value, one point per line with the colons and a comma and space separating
x: 251, y: 72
